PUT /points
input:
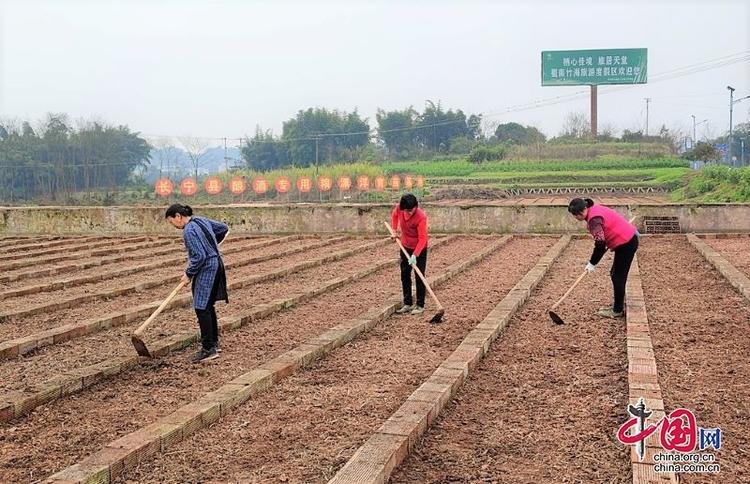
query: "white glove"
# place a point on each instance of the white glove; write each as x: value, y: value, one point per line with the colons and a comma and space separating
x: 590, y: 267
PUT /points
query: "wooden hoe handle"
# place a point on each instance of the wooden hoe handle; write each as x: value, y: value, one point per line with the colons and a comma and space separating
x: 416, y: 269
x: 161, y: 307
x: 567, y: 293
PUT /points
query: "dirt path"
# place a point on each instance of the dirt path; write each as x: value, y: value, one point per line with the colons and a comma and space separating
x: 41, y: 365
x: 57, y: 435
x: 699, y: 327
x: 140, y: 258
x: 25, y: 325
x: 304, y: 429
x: 736, y: 251
x: 545, y: 403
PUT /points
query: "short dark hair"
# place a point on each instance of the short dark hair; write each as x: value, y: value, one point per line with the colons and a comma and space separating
x: 577, y: 205
x: 176, y: 208
x: 408, y: 202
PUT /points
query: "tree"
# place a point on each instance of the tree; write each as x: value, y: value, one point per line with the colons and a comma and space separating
x: 632, y: 136
x: 338, y: 135
x: 264, y: 152
x: 740, y: 133
x: 396, y: 131
x: 196, y: 149
x: 576, y: 126
x: 165, y: 156
x: 606, y: 132
x: 703, y: 152
x: 436, y: 127
x: 474, y: 127
x: 59, y: 157
x: 517, y: 134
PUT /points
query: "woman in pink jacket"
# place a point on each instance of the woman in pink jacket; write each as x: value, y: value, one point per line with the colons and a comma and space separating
x: 412, y: 222
x: 610, y: 231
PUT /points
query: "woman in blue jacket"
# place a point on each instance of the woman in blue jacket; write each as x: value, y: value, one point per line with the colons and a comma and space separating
x: 205, y: 270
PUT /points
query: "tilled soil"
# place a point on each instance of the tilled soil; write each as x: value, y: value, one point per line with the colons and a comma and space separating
x: 25, y: 325
x: 736, y: 251
x: 699, y: 328
x: 98, y: 347
x: 82, y: 251
x: 545, y: 403
x: 139, y: 258
x: 12, y: 243
x: 28, y: 246
x: 132, y: 279
x: 305, y: 428
x: 69, y: 268
x: 57, y: 435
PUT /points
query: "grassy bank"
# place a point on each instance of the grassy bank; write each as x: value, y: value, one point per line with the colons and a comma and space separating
x: 716, y: 183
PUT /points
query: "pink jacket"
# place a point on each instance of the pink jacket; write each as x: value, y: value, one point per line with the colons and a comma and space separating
x: 413, y: 229
x: 617, y: 230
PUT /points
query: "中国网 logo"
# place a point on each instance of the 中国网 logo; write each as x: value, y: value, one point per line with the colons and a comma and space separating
x: 679, y: 435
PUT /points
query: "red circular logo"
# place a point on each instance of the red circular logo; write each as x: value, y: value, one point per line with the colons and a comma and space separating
x: 260, y: 185
x: 188, y: 186
x: 164, y: 187
x: 304, y: 184
x: 325, y: 183
x: 363, y: 183
x: 213, y: 185
x: 344, y: 183
x: 283, y: 184
x: 237, y: 185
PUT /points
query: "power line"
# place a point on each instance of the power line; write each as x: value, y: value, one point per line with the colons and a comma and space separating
x: 66, y: 165
x: 675, y: 73
x: 743, y: 56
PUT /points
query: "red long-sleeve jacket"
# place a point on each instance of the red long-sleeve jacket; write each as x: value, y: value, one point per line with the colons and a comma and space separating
x: 413, y: 228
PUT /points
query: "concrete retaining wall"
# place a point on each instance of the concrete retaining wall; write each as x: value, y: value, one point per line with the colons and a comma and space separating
x: 357, y: 218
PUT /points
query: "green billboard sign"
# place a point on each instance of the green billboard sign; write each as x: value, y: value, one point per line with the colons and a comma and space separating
x: 593, y: 67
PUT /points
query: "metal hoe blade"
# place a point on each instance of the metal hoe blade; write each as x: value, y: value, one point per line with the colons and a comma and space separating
x: 555, y: 318
x: 140, y: 347
x: 437, y: 317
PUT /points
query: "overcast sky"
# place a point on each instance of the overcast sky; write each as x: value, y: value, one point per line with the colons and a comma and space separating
x: 215, y: 69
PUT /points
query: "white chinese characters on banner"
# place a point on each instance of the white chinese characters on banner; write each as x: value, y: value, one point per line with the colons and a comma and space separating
x: 594, y: 67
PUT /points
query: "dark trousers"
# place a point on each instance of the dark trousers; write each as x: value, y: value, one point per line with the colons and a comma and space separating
x: 406, y: 271
x: 207, y: 320
x: 620, y: 269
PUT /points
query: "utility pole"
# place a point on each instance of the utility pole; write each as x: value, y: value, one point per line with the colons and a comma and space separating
x: 695, y: 124
x: 241, y: 160
x: 693, y: 115
x: 593, y: 110
x: 731, y: 106
x: 226, y: 159
x: 648, y: 100
x: 317, y: 138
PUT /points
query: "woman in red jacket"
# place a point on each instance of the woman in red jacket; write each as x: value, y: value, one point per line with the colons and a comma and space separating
x: 610, y: 231
x: 412, y: 221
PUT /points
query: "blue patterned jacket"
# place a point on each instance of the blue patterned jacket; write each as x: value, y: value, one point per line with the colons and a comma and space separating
x: 203, y: 261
